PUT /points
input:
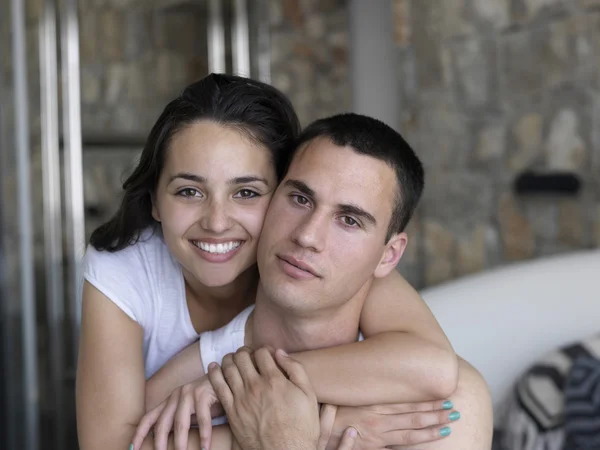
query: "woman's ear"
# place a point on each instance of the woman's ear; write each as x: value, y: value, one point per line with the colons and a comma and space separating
x: 391, y: 255
x: 155, y: 213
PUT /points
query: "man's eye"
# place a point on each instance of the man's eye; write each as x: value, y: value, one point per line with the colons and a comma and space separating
x: 301, y: 200
x: 188, y: 192
x: 349, y: 221
x: 246, y: 193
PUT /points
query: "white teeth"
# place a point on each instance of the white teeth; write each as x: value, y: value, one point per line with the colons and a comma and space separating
x: 217, y: 248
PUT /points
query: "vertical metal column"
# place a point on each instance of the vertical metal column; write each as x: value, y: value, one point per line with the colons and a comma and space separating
x: 52, y: 213
x: 240, y: 39
x: 27, y: 275
x: 9, y: 420
x: 263, y: 40
x: 216, y: 37
x: 73, y: 159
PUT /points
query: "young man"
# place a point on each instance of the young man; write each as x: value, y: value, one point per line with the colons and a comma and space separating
x: 334, y: 225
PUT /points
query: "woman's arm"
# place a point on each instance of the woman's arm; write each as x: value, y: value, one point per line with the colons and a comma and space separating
x: 110, y: 374
x: 405, y: 357
x: 185, y: 367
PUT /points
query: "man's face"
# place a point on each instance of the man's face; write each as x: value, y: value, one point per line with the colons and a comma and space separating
x: 323, y: 239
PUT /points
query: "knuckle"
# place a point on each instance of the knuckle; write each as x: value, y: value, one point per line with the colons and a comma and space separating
x: 161, y: 429
x: 180, y: 426
x: 262, y: 352
x: 227, y: 359
x: 417, y: 421
x: 407, y: 438
x: 229, y: 370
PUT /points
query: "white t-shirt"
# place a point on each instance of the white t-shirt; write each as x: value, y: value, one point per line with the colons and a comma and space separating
x: 147, y: 283
x: 215, y: 344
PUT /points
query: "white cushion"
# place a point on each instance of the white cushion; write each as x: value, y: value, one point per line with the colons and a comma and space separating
x: 503, y: 320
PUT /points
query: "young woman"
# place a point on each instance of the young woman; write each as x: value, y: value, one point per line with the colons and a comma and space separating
x: 179, y: 258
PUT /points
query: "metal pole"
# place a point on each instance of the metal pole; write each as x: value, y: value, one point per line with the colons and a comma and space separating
x: 240, y: 39
x: 27, y: 275
x: 263, y: 41
x: 52, y: 212
x: 73, y: 158
x: 10, y: 420
x: 216, y: 37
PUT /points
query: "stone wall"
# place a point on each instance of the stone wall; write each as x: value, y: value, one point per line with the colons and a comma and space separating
x: 309, y: 55
x: 134, y: 60
x: 491, y: 88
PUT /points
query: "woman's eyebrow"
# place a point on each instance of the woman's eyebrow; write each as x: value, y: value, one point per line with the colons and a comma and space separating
x: 187, y: 176
x: 248, y: 179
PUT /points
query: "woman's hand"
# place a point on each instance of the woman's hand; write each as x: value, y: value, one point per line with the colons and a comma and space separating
x: 384, y: 426
x: 176, y: 413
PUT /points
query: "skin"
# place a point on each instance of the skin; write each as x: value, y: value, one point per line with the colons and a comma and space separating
x: 203, y: 197
x: 331, y: 213
x: 286, y: 317
x: 111, y: 387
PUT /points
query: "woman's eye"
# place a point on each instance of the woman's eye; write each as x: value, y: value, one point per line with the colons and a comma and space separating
x: 189, y: 192
x: 246, y: 193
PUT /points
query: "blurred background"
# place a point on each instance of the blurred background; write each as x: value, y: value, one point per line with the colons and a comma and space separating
x: 500, y: 99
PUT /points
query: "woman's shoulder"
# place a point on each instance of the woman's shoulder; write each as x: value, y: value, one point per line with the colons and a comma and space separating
x: 149, y: 245
x: 142, y: 262
x: 131, y: 277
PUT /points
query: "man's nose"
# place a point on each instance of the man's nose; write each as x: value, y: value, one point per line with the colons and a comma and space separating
x: 312, y: 232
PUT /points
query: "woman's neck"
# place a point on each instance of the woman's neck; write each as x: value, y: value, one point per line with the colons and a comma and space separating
x: 212, y: 307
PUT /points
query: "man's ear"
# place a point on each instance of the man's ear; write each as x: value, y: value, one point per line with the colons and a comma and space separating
x: 155, y: 213
x: 391, y: 255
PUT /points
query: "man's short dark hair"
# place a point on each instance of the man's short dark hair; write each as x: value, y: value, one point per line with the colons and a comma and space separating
x: 371, y: 137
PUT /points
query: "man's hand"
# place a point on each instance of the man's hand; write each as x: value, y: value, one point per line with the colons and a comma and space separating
x: 267, y: 410
x: 384, y: 426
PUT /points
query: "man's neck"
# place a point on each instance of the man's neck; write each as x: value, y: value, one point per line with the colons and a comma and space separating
x: 296, y: 331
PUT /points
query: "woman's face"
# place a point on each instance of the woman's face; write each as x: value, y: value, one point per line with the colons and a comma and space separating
x: 211, y: 200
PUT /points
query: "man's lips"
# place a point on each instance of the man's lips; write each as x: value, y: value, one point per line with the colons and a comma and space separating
x: 299, y: 264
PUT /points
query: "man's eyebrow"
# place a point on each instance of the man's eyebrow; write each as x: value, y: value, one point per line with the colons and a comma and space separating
x: 349, y: 208
x: 301, y: 186
x: 357, y: 211
x: 187, y: 176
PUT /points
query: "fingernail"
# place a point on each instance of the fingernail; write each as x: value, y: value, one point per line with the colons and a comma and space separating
x: 445, y: 431
x: 212, y: 365
x: 283, y: 352
x: 352, y: 432
x: 447, y: 405
x: 454, y: 416
x: 130, y: 446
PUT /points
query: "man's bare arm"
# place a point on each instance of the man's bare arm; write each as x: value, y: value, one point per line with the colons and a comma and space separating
x: 405, y: 358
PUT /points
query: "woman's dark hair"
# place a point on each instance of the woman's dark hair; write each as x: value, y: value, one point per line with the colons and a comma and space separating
x: 249, y: 106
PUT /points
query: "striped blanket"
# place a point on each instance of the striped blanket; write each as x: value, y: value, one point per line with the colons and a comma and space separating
x: 556, y: 403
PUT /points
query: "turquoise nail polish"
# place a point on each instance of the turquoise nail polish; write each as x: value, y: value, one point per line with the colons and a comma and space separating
x: 447, y: 405
x: 130, y: 446
x: 454, y: 416
x: 445, y: 431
